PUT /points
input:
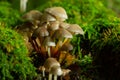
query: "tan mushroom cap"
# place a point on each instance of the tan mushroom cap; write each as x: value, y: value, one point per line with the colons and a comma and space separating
x: 66, y: 47
x: 53, y: 25
x: 56, y: 70
x: 48, y: 42
x: 75, y: 28
x: 64, y: 25
x: 62, y: 33
x: 65, y: 71
x: 47, y: 17
x: 40, y: 32
x: 32, y: 15
x: 58, y: 12
x: 49, y: 63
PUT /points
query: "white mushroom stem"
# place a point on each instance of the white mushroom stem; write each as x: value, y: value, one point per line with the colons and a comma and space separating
x: 49, y: 53
x: 42, y: 68
x: 55, y: 77
x: 50, y: 76
x: 48, y: 43
x: 43, y: 71
x: 23, y: 5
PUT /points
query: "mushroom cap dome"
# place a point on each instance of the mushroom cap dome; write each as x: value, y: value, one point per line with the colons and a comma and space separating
x: 56, y: 70
x: 32, y: 15
x: 49, y: 63
x: 58, y: 12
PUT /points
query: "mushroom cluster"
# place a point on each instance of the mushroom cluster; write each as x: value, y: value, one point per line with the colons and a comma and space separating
x: 51, y: 34
x: 50, y: 37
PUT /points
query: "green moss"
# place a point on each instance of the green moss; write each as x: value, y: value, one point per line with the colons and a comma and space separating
x: 14, y: 60
x: 8, y: 15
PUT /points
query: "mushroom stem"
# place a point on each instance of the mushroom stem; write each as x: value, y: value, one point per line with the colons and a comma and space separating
x: 66, y: 40
x: 50, y: 76
x: 23, y: 4
x: 43, y: 72
x: 49, y: 53
x: 42, y: 68
x: 59, y: 44
x: 55, y: 77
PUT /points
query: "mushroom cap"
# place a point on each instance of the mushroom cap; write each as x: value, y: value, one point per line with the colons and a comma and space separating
x: 49, y: 63
x: 32, y: 15
x: 26, y: 27
x: 75, y: 28
x: 65, y: 71
x: 64, y: 25
x: 47, y: 17
x: 58, y: 12
x: 56, y: 70
x: 48, y: 42
x: 66, y: 47
x: 53, y: 25
x: 62, y: 33
x: 40, y: 32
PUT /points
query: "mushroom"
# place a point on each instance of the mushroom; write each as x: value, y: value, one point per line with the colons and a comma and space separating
x: 39, y: 33
x: 64, y: 25
x: 26, y: 27
x: 56, y: 71
x: 66, y: 47
x: 75, y: 28
x: 60, y: 34
x: 52, y: 66
x: 53, y: 25
x: 48, y: 42
x: 65, y: 71
x: 23, y: 5
x: 42, y: 68
x: 58, y: 12
x: 46, y: 18
x: 33, y: 16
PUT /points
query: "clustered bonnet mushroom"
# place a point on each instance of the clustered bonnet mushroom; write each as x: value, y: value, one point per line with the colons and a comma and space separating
x: 51, y: 23
x: 51, y: 35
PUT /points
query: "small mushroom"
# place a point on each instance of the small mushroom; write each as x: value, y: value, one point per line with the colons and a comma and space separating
x: 26, y: 27
x: 40, y: 32
x: 38, y: 36
x: 60, y: 34
x: 59, y: 13
x: 49, y: 63
x: 46, y: 18
x: 75, y: 28
x: 33, y: 16
x: 56, y: 71
x: 66, y: 47
x: 53, y: 25
x: 53, y: 67
x: 23, y: 5
x: 65, y: 71
x: 42, y: 68
x: 48, y: 42
x: 64, y: 25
